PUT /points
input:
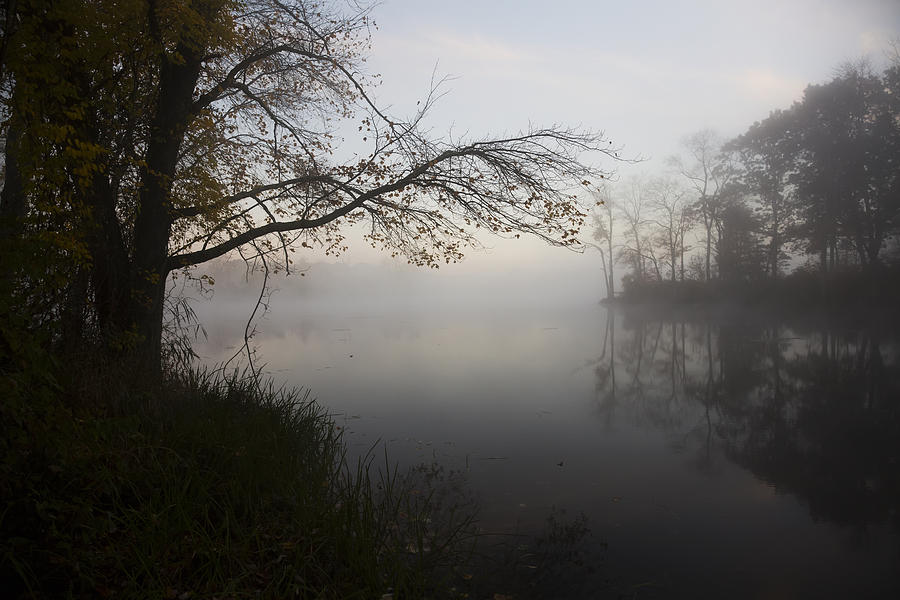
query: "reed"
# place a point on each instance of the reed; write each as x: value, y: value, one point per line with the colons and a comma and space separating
x: 210, y: 486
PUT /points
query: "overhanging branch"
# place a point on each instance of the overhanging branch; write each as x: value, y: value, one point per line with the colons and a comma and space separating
x: 193, y: 211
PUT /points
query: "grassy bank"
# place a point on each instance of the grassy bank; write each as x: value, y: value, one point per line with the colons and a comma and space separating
x: 204, y: 488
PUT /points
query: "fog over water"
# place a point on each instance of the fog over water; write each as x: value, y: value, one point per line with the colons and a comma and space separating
x: 731, y: 453
x: 662, y: 347
x: 713, y: 452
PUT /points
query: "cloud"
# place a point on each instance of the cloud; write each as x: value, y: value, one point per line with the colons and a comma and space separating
x: 459, y: 55
x: 770, y: 86
x: 876, y: 42
x: 478, y: 49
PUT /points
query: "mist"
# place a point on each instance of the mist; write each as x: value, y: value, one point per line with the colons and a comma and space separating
x: 403, y: 299
x: 391, y: 288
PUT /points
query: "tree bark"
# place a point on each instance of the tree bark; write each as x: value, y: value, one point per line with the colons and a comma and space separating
x: 12, y: 198
x: 109, y: 259
x: 153, y: 224
x: 611, y: 282
x: 708, y: 224
x: 12, y: 209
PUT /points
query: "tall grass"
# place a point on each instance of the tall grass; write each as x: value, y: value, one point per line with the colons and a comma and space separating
x: 210, y: 487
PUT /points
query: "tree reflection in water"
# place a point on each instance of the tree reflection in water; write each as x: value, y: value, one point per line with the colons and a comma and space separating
x: 813, y: 412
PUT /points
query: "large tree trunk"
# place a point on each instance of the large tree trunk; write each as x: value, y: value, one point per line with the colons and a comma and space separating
x: 109, y: 260
x: 12, y: 198
x: 108, y: 268
x: 13, y: 209
x: 154, y: 220
x: 74, y: 311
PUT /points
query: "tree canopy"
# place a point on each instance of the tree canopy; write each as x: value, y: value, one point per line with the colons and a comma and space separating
x: 145, y: 136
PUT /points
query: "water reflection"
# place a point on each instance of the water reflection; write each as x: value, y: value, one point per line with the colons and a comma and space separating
x: 811, y: 412
x: 733, y: 456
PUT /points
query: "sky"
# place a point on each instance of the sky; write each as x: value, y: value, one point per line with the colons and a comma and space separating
x: 645, y: 72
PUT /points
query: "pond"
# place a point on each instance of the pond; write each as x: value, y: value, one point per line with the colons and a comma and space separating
x: 713, y: 455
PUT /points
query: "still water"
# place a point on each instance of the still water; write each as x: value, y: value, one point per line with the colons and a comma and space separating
x: 713, y: 456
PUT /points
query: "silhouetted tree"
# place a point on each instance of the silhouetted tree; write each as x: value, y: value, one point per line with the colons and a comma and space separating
x: 765, y: 162
x: 633, y: 205
x: 740, y: 253
x: 708, y: 170
x: 604, y: 232
x: 148, y: 136
x: 847, y: 170
x: 672, y: 219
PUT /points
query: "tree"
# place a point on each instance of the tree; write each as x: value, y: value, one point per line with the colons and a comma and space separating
x: 633, y: 208
x: 825, y: 172
x: 604, y: 231
x: 673, y: 220
x: 740, y: 254
x: 846, y: 167
x: 764, y: 154
x: 708, y: 172
x: 162, y: 134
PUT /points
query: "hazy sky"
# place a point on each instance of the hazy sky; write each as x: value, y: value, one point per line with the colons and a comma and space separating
x: 645, y: 72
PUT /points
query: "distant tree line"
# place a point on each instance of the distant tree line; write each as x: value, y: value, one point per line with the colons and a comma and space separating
x: 811, y: 191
